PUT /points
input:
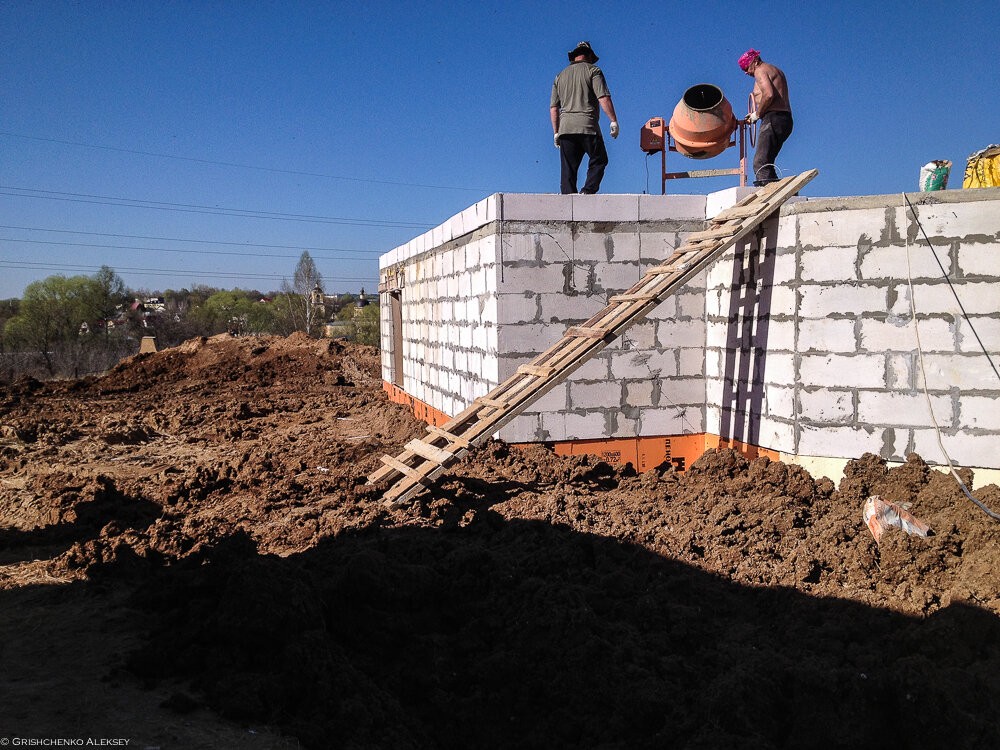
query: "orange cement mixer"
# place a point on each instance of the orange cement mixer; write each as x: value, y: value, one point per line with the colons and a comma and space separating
x: 703, y: 122
x: 702, y: 126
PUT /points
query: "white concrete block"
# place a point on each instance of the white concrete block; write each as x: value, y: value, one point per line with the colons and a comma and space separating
x: 586, y: 249
x: 979, y: 329
x: 842, y: 371
x: 826, y: 406
x: 776, y: 435
x: 722, y: 199
x: 547, y: 278
x: 643, y: 364
x: 826, y: 335
x: 980, y: 413
x: 655, y: 247
x: 680, y: 391
x: 518, y: 308
x: 829, y: 264
x: 640, y: 336
x: 523, y: 429
x: 562, y: 308
x: 553, y: 424
x: 672, y: 207
x: 605, y: 207
x: 617, y: 276
x: 821, y: 301
x: 784, y: 300
x: 691, y: 362
x: 965, y: 372
x: 588, y: 426
x: 670, y: 420
x: 975, y: 217
x: 838, y: 442
x: 902, y: 409
x: 978, y: 298
x: 679, y: 334
x: 788, y: 232
x: 529, y: 338
x: 689, y: 304
x: 594, y: 369
x: 537, y: 207
x: 964, y: 449
x: 980, y: 259
x: 844, y: 228
x: 639, y: 393
x: 779, y: 401
x: 554, y: 401
x: 881, y: 263
x: 897, y: 334
x: 594, y: 395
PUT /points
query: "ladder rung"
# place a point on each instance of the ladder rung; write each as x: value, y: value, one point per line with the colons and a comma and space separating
x: 633, y: 298
x: 430, y: 452
x: 585, y: 332
x: 451, y: 437
x: 538, y: 371
x: 491, y: 402
x: 727, y: 230
x: 394, y: 463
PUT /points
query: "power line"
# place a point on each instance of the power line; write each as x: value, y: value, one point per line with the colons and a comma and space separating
x: 191, y: 241
x: 177, y: 250
x: 167, y: 272
x: 108, y: 200
x: 241, y: 166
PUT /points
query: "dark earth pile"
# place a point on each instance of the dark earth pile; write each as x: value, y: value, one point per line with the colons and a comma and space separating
x: 190, y: 557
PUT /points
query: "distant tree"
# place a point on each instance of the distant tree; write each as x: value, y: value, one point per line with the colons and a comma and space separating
x: 218, y: 312
x: 302, y: 312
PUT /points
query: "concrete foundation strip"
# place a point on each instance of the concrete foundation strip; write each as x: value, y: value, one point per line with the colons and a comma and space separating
x: 530, y: 382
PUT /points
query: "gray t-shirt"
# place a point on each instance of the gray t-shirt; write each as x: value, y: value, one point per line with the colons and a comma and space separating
x: 575, y: 91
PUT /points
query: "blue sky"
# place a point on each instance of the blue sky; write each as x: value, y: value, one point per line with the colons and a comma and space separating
x: 187, y: 143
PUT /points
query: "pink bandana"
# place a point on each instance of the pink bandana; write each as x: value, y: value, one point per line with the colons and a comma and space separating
x: 747, y: 58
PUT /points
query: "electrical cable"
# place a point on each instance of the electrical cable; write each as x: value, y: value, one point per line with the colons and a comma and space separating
x: 944, y: 275
x: 188, y: 240
x: 242, y: 166
x: 107, y: 200
x: 923, y: 372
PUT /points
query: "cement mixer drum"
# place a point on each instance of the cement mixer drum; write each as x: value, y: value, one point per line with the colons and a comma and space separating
x: 703, y: 123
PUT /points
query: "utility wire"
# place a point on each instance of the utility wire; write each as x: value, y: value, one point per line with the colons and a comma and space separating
x: 191, y: 252
x: 107, y: 200
x: 242, y: 166
x: 167, y: 271
x: 923, y: 371
x: 187, y: 240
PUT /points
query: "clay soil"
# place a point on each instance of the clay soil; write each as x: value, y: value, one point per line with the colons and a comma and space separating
x: 190, y: 558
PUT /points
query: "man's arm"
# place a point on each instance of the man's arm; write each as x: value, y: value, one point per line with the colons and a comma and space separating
x: 609, y: 109
x: 554, y: 116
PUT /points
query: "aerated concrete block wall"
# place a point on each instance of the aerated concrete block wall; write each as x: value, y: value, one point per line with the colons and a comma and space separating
x: 812, y: 345
x: 561, y: 259
x: 800, y: 340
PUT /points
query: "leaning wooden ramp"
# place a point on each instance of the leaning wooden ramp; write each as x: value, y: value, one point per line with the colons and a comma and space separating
x: 423, y: 461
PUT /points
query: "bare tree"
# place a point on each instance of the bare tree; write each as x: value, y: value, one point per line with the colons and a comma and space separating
x: 306, y: 280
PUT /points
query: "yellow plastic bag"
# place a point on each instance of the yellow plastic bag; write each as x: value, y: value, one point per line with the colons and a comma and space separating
x: 983, y: 169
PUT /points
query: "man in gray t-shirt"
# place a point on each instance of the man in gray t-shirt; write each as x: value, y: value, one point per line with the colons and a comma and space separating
x: 579, y: 93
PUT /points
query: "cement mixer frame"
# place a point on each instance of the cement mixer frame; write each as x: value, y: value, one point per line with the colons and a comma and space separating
x: 703, y: 126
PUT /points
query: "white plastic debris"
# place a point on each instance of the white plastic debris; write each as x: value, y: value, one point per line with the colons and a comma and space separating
x: 881, y: 515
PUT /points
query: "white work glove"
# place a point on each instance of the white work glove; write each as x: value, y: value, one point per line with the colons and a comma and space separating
x: 614, y: 128
x: 752, y: 117
x: 555, y: 140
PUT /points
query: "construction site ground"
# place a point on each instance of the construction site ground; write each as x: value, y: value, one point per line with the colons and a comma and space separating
x: 190, y: 557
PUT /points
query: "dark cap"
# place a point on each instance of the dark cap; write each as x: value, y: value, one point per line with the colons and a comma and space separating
x: 583, y: 48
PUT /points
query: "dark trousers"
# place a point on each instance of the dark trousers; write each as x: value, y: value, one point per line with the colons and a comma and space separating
x: 572, y: 148
x: 775, y: 127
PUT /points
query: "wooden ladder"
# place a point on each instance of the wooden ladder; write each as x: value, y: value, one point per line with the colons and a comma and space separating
x: 423, y: 461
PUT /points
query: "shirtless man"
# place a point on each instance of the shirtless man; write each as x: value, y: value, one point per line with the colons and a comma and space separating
x: 772, y: 108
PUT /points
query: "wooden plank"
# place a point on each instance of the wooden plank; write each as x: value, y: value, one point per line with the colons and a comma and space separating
x: 586, y: 332
x: 535, y: 371
x: 409, y: 471
x: 490, y: 402
x: 430, y: 452
x: 451, y: 437
x: 712, y: 234
x: 632, y: 298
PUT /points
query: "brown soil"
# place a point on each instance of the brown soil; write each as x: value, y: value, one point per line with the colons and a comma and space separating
x: 190, y: 557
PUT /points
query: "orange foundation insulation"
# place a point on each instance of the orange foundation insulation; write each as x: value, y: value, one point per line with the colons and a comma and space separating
x: 644, y: 453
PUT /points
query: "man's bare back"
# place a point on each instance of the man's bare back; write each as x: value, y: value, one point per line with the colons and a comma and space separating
x: 770, y: 89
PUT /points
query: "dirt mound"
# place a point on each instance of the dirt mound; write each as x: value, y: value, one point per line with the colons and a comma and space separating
x: 200, y: 516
